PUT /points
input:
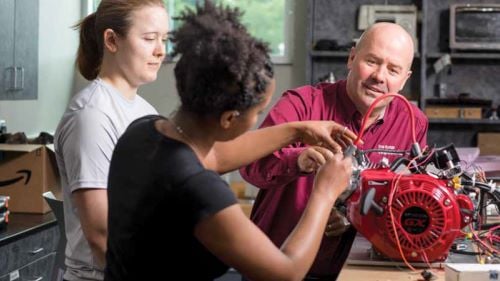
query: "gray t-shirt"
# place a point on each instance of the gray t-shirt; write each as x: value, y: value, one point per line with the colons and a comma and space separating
x: 84, y: 141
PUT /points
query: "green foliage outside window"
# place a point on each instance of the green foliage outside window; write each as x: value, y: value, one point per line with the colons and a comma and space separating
x: 265, y: 19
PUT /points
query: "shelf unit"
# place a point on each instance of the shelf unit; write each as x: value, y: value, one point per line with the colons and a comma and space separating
x: 465, y: 121
x: 474, y: 56
x: 471, y: 72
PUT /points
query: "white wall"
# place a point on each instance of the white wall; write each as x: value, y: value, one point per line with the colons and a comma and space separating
x: 57, y: 48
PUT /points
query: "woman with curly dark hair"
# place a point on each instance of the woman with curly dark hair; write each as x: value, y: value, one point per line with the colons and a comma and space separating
x: 165, y: 193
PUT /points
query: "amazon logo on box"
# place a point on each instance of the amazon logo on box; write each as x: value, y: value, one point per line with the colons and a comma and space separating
x: 27, y: 171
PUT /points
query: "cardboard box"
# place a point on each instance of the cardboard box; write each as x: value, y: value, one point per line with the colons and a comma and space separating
x: 246, y: 206
x: 471, y: 271
x: 488, y: 143
x: 238, y: 187
x: 453, y: 112
x: 26, y: 172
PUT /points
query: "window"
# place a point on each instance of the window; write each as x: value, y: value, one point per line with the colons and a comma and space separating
x: 269, y: 20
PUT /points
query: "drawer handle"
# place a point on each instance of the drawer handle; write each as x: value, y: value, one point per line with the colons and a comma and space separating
x: 37, y: 279
x: 34, y: 252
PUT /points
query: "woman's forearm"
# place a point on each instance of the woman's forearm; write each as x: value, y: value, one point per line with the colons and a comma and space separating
x: 303, y: 243
x: 253, y: 145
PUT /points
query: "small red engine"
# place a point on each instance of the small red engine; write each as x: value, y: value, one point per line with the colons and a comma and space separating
x: 414, y: 208
x: 424, y: 214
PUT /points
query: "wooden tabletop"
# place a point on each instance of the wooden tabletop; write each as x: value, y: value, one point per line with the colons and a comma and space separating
x: 379, y: 273
x: 361, y: 265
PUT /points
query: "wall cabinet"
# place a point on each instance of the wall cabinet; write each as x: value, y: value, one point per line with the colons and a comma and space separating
x: 18, y: 49
x: 474, y: 73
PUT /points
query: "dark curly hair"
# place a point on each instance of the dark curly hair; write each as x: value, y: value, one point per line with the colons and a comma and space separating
x: 222, y: 67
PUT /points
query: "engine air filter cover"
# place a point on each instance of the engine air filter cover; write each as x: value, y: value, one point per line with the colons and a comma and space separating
x: 423, y: 216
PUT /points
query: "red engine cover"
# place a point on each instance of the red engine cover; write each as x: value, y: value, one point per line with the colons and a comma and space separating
x: 426, y: 215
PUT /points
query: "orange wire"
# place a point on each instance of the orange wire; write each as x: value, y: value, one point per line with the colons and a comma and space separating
x: 478, y: 239
x: 394, y: 187
x: 372, y: 106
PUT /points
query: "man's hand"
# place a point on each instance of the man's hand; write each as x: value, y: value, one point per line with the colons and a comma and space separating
x: 337, y: 224
x: 312, y: 158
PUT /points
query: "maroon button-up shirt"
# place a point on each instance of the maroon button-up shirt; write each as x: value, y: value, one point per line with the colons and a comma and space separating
x: 284, y: 191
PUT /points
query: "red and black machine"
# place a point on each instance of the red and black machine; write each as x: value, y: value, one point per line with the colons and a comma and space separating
x: 414, y: 208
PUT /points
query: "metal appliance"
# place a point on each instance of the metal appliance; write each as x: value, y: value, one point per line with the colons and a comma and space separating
x: 475, y: 26
x: 404, y: 15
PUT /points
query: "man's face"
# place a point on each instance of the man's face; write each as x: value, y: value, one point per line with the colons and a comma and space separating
x: 380, y: 65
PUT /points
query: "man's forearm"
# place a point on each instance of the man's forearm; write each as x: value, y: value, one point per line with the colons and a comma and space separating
x: 275, y: 170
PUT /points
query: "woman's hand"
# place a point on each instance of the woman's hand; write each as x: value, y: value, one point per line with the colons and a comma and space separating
x: 333, y: 177
x: 312, y: 158
x: 327, y: 134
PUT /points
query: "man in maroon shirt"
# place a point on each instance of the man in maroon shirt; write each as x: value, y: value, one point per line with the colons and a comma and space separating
x: 379, y: 64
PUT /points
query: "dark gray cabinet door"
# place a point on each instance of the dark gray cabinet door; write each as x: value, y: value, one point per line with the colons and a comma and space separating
x: 19, y: 49
x: 27, y: 250
x: 38, y: 270
x: 26, y: 50
x: 6, y: 46
x: 231, y: 275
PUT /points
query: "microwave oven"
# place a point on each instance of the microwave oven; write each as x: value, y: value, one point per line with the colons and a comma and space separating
x: 404, y: 15
x: 475, y: 26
